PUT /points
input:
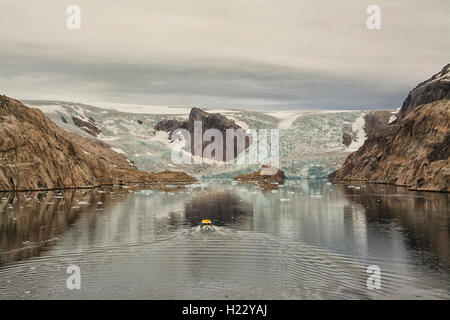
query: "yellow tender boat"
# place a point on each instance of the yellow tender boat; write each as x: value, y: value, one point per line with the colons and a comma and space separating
x: 206, y: 224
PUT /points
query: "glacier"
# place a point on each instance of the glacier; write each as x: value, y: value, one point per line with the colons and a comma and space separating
x: 310, y: 140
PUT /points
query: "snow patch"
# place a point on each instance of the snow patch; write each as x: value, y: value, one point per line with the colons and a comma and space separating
x: 241, y: 124
x: 286, y: 118
x: 140, y: 109
x: 358, y: 127
x: 51, y: 108
x: 392, y: 118
x: 149, y: 109
x: 118, y: 150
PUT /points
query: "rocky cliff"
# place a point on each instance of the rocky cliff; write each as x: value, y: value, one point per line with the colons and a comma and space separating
x: 434, y: 89
x: 376, y: 121
x: 209, y: 121
x: 36, y: 154
x: 412, y: 151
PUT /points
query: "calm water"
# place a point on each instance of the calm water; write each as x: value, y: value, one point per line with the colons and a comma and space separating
x: 308, y: 240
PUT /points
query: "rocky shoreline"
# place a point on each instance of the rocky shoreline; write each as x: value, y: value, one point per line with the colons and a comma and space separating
x: 414, y: 149
x: 36, y: 154
x: 267, y: 178
x: 410, y: 148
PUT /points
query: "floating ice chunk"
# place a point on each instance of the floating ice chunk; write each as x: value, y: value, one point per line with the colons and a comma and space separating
x: 195, y: 185
x: 145, y: 192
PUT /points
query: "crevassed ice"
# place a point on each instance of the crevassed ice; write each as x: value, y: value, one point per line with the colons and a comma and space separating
x: 310, y: 140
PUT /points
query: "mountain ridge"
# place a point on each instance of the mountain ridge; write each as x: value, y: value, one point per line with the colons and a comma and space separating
x: 413, y: 150
x: 36, y: 154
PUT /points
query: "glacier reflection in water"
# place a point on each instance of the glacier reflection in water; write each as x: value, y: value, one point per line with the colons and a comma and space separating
x: 308, y: 240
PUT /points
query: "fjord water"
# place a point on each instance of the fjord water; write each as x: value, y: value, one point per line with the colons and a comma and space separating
x: 308, y: 240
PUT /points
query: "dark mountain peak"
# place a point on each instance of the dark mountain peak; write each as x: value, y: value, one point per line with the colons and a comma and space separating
x: 209, y: 121
x: 434, y: 89
x: 197, y: 114
x: 414, y: 152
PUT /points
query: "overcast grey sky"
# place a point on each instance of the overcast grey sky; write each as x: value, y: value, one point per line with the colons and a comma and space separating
x: 225, y: 53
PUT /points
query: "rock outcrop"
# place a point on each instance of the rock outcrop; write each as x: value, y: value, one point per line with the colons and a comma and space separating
x: 36, y: 154
x: 346, y: 139
x: 267, y: 177
x: 169, y: 125
x: 414, y: 150
x: 88, y: 126
x: 434, y: 89
x: 376, y: 121
x: 209, y: 121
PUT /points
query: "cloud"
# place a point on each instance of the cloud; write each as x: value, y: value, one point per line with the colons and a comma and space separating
x: 252, y: 54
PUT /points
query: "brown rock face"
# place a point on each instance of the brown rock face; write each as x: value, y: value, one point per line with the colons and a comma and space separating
x: 434, y: 89
x: 87, y: 126
x: 267, y: 177
x: 209, y: 121
x: 376, y: 121
x: 412, y: 152
x: 172, y: 176
x: 36, y: 154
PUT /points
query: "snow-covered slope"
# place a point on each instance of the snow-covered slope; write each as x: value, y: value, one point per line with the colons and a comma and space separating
x: 310, y: 140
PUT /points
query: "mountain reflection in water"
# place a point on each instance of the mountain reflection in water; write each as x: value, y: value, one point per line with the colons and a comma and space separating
x: 32, y: 221
x: 424, y: 218
x: 307, y: 240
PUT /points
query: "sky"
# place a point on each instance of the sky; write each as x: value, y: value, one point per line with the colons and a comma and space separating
x: 243, y: 54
